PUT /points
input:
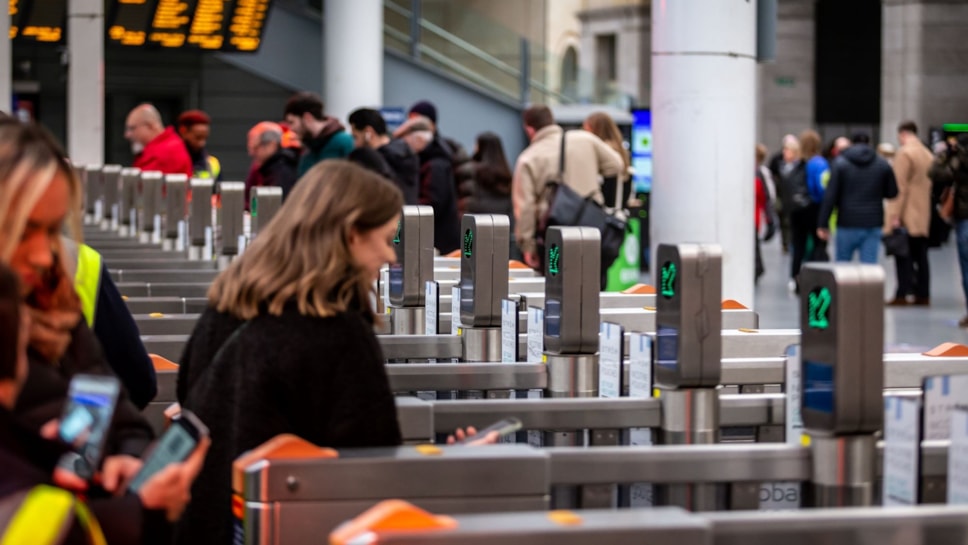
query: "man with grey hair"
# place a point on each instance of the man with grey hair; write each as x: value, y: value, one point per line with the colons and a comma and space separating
x: 277, y: 164
x: 156, y: 147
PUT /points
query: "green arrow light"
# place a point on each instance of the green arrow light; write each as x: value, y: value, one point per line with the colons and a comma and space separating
x: 554, y: 260
x: 818, y: 307
x: 668, y: 280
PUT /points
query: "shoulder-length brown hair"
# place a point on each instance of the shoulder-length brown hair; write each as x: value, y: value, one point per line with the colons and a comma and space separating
x: 603, y: 126
x: 303, y: 254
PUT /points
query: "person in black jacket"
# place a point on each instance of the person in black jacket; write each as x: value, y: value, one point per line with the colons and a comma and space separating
x: 370, y: 131
x: 437, y: 187
x: 29, y: 476
x: 277, y: 164
x: 860, y: 180
x: 491, y: 193
x: 287, y: 343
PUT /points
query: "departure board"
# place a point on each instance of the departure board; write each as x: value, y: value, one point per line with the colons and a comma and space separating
x: 38, y: 20
x: 217, y: 25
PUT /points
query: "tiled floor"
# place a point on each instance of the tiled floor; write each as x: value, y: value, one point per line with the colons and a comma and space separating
x: 906, y: 329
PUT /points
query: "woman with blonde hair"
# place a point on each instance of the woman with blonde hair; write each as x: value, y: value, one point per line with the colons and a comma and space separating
x: 603, y: 126
x: 39, y: 194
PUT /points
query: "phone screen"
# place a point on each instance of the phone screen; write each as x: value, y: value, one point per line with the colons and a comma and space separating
x: 86, y: 421
x: 178, y: 442
x: 502, y: 427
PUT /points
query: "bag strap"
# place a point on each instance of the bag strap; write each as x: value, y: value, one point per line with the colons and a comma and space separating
x: 561, y: 158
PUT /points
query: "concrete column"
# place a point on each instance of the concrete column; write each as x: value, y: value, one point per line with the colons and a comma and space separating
x: 352, y: 56
x: 787, y: 87
x: 703, y: 112
x: 6, y: 66
x: 85, y: 81
x: 924, y: 64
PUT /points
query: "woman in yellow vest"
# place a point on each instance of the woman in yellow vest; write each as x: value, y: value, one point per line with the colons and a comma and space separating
x: 32, y: 508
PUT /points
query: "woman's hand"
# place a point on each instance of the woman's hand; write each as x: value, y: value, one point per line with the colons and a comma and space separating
x: 169, y: 490
x: 50, y: 331
x: 461, y: 434
x: 118, y: 471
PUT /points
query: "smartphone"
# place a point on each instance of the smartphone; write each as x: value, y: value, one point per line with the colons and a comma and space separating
x: 175, y: 446
x: 503, y: 427
x: 84, y: 425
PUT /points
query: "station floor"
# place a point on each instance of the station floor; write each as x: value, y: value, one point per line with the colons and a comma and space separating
x: 906, y: 329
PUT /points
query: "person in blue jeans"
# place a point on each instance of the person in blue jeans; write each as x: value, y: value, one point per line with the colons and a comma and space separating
x: 860, y: 180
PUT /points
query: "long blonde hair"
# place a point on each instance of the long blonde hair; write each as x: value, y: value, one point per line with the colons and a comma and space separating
x: 29, y: 161
x: 303, y: 254
x: 603, y: 126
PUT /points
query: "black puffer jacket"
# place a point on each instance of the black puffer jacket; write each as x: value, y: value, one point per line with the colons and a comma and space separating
x: 438, y: 190
x: 405, y: 166
x: 860, y: 180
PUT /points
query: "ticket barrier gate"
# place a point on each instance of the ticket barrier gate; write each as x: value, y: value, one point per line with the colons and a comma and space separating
x: 661, y: 526
x: 295, y: 496
x: 483, y: 284
x: 407, y: 278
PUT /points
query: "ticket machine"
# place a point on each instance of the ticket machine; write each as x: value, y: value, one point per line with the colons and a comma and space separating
x: 842, y: 369
x: 688, y: 346
x: 128, y: 202
x: 266, y: 202
x: 408, y: 277
x: 176, y: 195
x: 200, y: 235
x: 149, y: 218
x: 485, y: 243
x: 111, y: 186
x: 231, y: 239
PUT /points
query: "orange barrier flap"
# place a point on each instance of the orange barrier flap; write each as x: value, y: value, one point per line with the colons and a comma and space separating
x: 732, y: 304
x: 390, y: 516
x: 162, y: 364
x: 641, y: 289
x: 515, y: 264
x: 455, y: 253
x: 949, y: 350
x: 280, y: 447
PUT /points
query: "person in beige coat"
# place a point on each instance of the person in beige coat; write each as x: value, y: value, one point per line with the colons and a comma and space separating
x: 587, y: 160
x: 911, y: 209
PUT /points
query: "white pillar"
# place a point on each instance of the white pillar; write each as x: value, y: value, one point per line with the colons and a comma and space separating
x: 352, y: 56
x: 85, y: 81
x: 6, y: 66
x: 703, y: 115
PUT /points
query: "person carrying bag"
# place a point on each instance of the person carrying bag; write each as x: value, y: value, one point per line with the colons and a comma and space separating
x: 567, y: 208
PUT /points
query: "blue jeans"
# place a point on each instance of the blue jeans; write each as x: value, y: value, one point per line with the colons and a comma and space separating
x: 865, y: 239
x: 961, y: 233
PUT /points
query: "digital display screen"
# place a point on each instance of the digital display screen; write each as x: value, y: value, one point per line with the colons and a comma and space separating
x: 467, y: 297
x: 818, y: 308
x: 667, y: 279
x: 216, y: 25
x: 173, y: 447
x: 818, y: 387
x: 667, y: 346
x: 38, y: 20
x: 642, y: 150
x: 554, y: 260
x: 552, y: 322
x: 468, y: 246
x: 395, y: 280
x: 87, y: 418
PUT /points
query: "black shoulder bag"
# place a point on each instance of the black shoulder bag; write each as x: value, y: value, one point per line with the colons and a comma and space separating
x: 568, y: 208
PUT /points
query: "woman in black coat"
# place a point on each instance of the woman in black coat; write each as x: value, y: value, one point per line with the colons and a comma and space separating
x: 491, y: 183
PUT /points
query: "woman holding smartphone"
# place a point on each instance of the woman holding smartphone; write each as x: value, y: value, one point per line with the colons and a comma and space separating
x: 39, y: 195
x: 28, y: 461
x: 287, y: 343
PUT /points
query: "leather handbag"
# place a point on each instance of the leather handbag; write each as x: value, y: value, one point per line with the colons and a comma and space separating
x: 896, y: 243
x: 568, y: 208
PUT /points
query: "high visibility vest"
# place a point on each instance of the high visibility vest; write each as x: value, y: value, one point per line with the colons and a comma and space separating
x: 43, y: 515
x: 85, y: 264
x: 212, y: 170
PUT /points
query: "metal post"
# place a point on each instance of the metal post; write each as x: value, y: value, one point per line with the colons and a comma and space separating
x: 415, y: 18
x: 85, y: 81
x: 525, y: 79
x: 6, y: 61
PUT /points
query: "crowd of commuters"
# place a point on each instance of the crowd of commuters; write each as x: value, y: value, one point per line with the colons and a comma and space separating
x: 908, y: 196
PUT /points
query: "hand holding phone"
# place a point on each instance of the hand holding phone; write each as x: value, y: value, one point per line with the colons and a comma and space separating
x: 84, y: 425
x: 502, y: 428
x: 175, y: 446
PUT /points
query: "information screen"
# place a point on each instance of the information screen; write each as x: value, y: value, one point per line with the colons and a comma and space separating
x: 38, y: 20
x: 552, y: 322
x: 818, y: 387
x: 667, y: 347
x: 215, y: 25
x: 642, y: 150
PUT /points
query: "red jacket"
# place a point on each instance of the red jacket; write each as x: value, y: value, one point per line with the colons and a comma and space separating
x: 166, y: 153
x: 762, y: 200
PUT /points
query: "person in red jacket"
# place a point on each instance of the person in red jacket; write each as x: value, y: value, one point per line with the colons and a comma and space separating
x: 156, y: 147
